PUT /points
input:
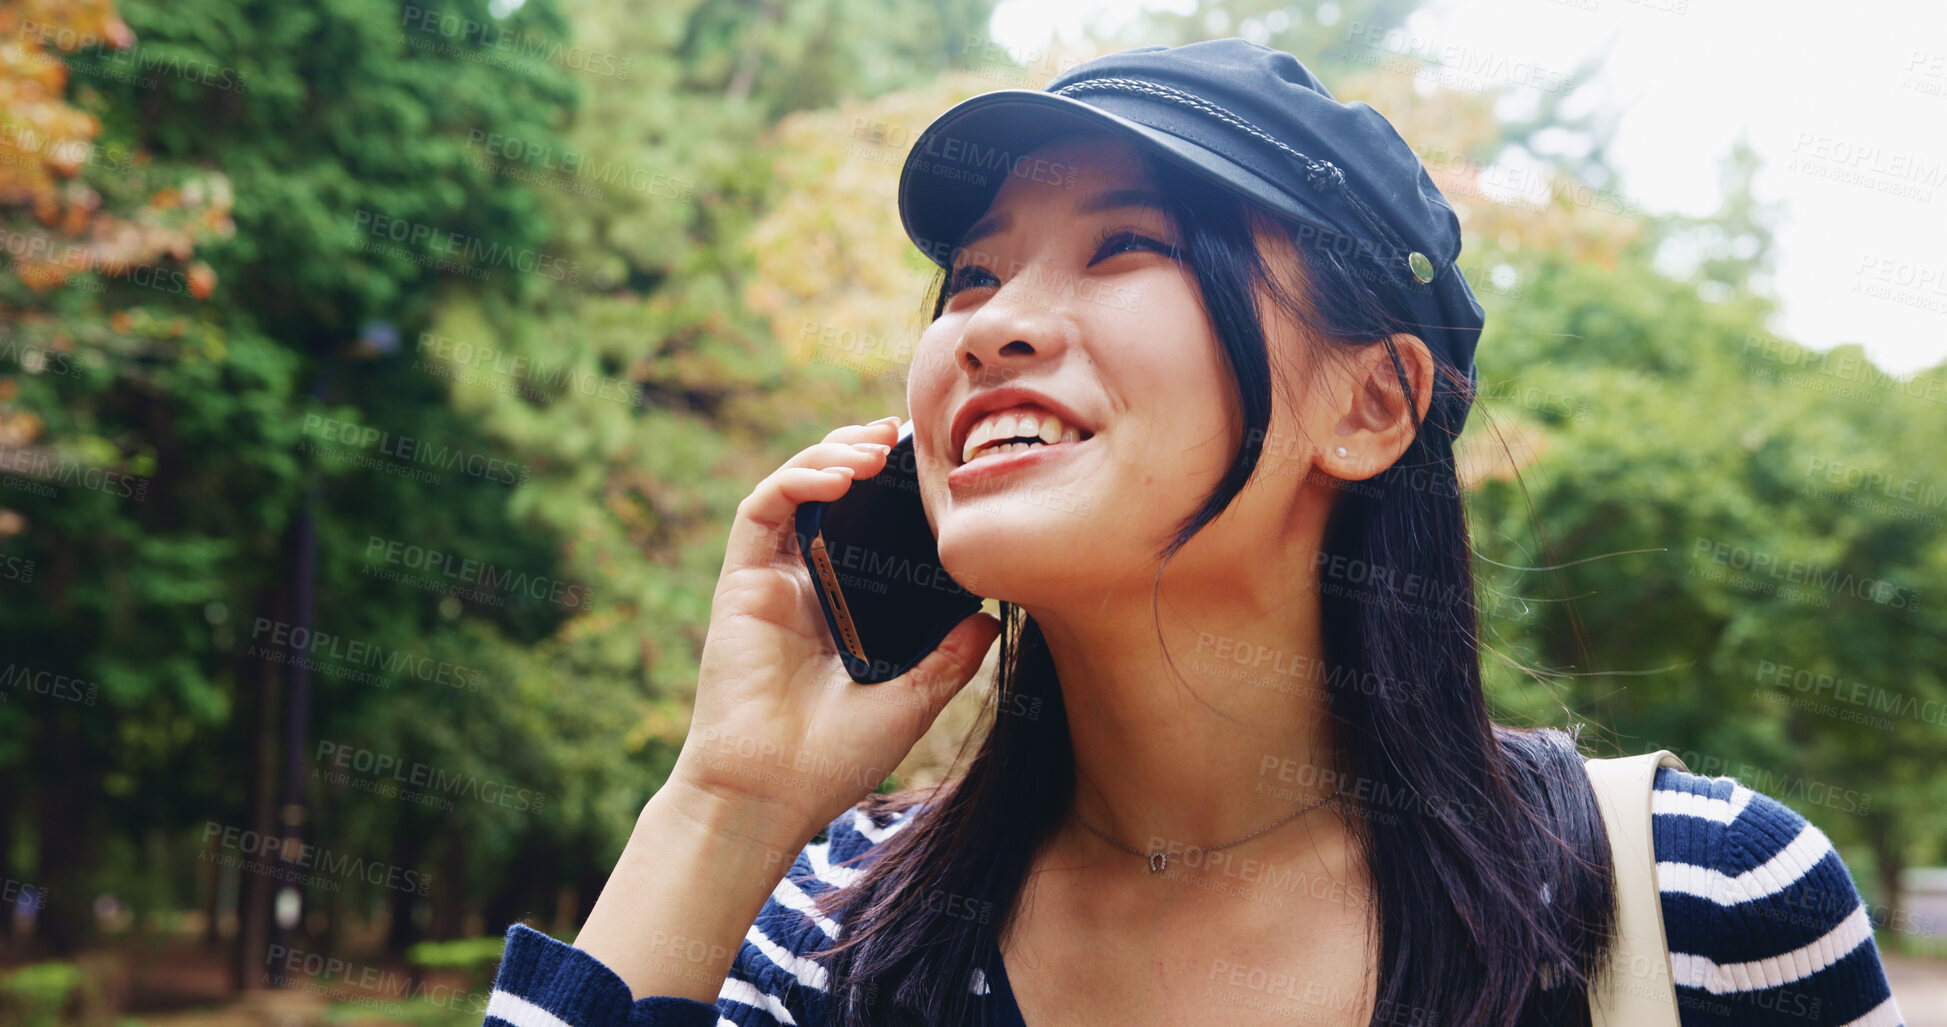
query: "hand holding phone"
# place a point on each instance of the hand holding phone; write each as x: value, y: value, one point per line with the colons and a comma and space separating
x: 876, y: 565
x: 781, y: 725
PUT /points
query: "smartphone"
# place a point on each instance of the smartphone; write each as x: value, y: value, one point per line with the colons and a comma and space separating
x: 876, y: 568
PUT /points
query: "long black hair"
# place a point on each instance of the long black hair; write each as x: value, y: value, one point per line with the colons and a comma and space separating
x: 1484, y: 845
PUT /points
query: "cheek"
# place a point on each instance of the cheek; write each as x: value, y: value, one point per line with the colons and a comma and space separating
x: 929, y: 376
x: 930, y: 379
x: 1176, y: 369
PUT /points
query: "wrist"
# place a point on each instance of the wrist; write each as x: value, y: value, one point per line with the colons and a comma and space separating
x: 760, y: 831
x: 690, y: 881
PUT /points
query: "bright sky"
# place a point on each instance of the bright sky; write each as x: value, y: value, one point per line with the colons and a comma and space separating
x: 1855, y: 147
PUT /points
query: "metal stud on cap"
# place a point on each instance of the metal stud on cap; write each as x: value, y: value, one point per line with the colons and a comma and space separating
x: 1422, y: 267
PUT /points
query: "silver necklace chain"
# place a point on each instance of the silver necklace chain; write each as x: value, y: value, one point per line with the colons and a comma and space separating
x: 1160, y: 861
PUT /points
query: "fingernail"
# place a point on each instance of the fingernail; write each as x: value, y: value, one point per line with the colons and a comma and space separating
x: 889, y: 419
x: 874, y: 448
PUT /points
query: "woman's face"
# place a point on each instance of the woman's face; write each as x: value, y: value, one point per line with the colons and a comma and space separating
x: 1067, y: 289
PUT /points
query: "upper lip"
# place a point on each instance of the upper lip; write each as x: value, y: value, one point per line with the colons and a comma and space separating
x: 1003, y: 398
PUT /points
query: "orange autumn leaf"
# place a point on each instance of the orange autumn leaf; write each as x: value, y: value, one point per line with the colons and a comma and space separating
x: 202, y: 280
x: 51, y: 144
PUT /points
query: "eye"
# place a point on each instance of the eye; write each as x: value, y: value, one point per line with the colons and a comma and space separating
x: 968, y: 276
x: 1122, y: 240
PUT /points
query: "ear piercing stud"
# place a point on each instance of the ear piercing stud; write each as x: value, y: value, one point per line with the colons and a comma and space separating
x: 1341, y: 450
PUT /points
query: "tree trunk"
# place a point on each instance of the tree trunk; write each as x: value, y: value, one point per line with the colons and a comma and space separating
x: 258, y: 677
x: 10, y: 788
x: 408, y: 849
x: 65, y: 918
x: 526, y: 890
x: 1883, y: 834
x: 449, y: 902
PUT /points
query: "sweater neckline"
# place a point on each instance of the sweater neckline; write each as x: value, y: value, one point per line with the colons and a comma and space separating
x: 1007, y: 1011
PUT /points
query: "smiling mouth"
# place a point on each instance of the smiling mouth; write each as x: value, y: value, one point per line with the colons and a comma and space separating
x: 989, y: 469
x: 1015, y: 430
x: 1020, y: 446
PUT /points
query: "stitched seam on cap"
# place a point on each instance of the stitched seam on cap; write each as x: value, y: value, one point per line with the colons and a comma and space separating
x: 1317, y: 168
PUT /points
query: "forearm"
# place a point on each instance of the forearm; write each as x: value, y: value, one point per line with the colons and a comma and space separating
x: 690, y: 881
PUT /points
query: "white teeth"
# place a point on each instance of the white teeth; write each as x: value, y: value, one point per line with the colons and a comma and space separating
x: 1015, y: 424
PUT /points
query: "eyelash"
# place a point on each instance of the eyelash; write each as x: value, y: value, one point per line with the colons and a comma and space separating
x: 1109, y: 235
x: 955, y: 281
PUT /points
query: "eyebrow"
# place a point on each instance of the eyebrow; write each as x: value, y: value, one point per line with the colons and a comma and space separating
x: 1114, y: 199
x: 982, y: 229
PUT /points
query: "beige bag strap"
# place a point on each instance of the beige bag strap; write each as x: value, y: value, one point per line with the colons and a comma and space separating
x: 1634, y: 989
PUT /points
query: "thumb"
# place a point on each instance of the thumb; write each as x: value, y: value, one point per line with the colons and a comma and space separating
x: 951, y: 664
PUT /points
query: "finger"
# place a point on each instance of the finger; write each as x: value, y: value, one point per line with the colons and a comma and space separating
x: 864, y: 457
x: 954, y: 662
x: 885, y: 429
x: 763, y: 532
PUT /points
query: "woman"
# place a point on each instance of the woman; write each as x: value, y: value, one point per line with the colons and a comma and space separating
x: 1226, y: 307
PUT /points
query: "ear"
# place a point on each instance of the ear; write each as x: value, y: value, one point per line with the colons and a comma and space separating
x: 1377, y: 417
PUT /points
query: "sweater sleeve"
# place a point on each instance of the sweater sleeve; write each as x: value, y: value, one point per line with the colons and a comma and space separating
x: 774, y: 980
x: 1764, y: 922
x: 546, y: 983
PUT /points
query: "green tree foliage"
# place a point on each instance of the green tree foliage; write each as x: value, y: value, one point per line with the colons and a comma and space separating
x: 481, y: 307
x: 651, y: 396
x: 1739, y: 555
x: 325, y: 119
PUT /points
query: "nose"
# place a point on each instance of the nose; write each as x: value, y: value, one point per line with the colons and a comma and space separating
x: 1023, y: 323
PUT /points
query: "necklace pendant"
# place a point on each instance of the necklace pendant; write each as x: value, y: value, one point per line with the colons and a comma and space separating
x: 1159, y: 862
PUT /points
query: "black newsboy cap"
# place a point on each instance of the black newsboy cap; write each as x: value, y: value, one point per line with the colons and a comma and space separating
x: 1247, y: 117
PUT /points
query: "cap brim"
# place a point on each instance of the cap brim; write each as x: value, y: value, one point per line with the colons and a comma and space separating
x: 957, y: 165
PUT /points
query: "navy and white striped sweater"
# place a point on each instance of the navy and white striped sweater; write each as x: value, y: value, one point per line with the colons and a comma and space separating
x: 1763, y: 922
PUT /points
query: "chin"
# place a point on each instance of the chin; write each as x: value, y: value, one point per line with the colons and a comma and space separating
x: 1011, y: 554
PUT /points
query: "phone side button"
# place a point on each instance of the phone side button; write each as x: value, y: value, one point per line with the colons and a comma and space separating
x: 835, y: 596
